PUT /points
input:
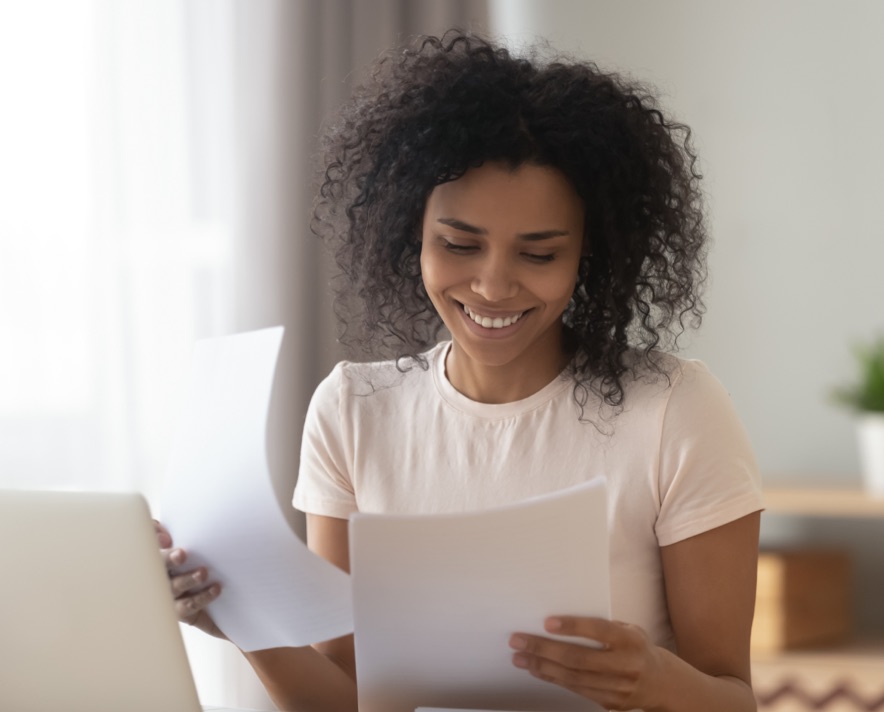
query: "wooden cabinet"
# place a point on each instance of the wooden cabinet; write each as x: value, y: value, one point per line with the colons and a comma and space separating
x: 843, y: 678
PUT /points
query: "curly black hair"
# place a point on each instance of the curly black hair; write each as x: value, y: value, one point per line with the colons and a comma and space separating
x: 430, y: 112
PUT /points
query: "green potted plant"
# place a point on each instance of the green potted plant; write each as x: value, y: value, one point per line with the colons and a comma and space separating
x: 866, y: 398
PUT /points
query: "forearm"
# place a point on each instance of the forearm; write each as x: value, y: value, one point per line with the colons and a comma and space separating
x: 304, y: 680
x: 689, y: 690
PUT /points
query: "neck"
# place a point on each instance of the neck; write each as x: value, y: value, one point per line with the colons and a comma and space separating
x: 505, y: 383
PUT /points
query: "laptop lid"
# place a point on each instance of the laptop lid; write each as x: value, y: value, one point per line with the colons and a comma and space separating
x: 86, y: 619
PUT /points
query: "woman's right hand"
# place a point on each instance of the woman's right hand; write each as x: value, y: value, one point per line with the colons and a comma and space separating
x: 189, y: 588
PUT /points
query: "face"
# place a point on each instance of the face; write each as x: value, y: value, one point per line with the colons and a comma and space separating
x: 499, y: 257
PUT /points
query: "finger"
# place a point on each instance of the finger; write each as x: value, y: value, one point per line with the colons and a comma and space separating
x: 611, y: 636
x: 568, y: 655
x: 609, y: 691
x: 174, y: 558
x: 605, y: 632
x: 189, y: 582
x: 554, y: 672
x: 190, y: 605
x: 163, y: 535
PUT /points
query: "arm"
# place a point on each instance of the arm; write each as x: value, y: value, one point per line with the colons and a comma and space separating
x: 303, y: 680
x: 710, y: 588
x: 329, y: 538
x: 321, y: 678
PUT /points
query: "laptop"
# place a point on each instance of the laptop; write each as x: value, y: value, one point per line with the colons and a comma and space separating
x: 86, y: 618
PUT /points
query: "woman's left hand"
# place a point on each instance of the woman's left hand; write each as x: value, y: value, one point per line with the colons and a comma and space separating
x: 625, y: 673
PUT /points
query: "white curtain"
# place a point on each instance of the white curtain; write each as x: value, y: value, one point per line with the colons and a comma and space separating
x: 156, y: 179
x: 114, y: 257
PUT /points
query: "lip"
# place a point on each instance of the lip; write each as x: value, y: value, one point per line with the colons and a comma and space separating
x: 490, y: 333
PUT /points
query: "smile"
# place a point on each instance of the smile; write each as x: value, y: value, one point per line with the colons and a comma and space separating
x: 488, y: 322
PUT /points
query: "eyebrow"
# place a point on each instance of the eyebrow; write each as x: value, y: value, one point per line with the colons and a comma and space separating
x: 530, y: 236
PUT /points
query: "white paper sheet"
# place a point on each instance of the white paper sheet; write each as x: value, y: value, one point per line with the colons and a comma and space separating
x: 437, y: 597
x: 220, y: 505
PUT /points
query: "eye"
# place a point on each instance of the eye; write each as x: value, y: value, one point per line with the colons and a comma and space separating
x: 457, y: 248
x: 539, y: 259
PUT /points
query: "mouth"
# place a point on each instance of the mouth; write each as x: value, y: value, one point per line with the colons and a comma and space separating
x: 492, y: 322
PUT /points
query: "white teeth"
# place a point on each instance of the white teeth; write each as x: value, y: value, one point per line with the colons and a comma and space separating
x: 489, y: 323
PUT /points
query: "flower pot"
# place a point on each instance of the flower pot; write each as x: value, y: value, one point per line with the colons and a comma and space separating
x: 870, y: 432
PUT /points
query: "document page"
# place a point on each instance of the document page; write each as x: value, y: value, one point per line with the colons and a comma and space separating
x: 436, y: 598
x: 220, y: 506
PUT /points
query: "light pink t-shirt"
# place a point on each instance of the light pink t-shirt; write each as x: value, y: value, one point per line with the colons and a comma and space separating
x: 677, y: 460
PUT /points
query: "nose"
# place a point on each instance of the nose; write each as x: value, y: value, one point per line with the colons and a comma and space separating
x: 495, y: 280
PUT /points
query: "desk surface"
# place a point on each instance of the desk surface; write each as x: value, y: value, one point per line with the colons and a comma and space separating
x: 823, y: 501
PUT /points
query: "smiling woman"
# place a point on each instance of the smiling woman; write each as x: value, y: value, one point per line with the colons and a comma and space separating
x: 548, y: 215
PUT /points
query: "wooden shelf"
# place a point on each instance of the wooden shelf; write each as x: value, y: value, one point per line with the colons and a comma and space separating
x: 852, y: 655
x: 839, y: 678
x: 823, y: 502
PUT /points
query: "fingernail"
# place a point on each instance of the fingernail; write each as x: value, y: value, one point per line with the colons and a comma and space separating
x: 199, y: 575
x: 520, y: 660
x: 518, y: 642
x: 553, y: 624
x: 177, y: 556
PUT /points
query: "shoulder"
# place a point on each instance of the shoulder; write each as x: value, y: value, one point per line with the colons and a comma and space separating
x: 695, y: 389
x: 377, y: 380
x: 675, y: 397
x: 664, y: 377
x: 690, y: 406
x: 707, y: 471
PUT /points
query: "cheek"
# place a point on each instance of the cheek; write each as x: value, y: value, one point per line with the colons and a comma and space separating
x: 436, y: 272
x: 433, y: 283
x: 559, y: 287
x: 426, y: 270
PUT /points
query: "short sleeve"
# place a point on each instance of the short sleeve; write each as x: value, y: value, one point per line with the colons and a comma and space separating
x: 708, y: 475
x: 324, y: 485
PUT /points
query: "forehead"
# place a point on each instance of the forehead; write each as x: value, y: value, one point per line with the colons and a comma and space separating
x: 540, y: 196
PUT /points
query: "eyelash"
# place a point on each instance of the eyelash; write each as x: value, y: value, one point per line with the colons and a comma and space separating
x: 459, y: 249
x: 542, y: 259
x: 469, y: 249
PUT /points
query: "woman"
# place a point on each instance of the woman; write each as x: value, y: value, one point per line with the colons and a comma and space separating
x: 548, y: 215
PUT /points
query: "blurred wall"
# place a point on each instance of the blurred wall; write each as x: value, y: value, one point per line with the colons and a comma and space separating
x: 785, y: 100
